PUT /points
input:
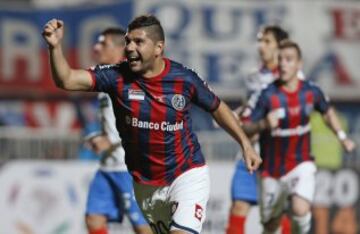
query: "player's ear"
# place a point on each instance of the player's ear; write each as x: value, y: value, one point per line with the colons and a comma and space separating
x: 300, y: 64
x: 159, y: 48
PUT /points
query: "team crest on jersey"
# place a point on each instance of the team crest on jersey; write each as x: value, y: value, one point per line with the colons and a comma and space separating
x: 178, y: 102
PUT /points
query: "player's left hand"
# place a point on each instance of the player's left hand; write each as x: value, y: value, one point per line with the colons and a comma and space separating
x: 252, y: 159
x: 99, y: 144
x: 348, y: 144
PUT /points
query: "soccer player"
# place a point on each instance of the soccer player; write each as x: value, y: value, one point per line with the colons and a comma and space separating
x: 111, y: 192
x: 243, y: 186
x: 152, y: 96
x: 281, y: 116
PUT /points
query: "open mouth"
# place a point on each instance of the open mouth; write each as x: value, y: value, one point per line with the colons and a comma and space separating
x: 133, y: 59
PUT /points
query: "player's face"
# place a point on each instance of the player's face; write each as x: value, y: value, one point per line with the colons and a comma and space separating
x: 106, y: 51
x: 267, y: 47
x: 141, y: 51
x: 289, y: 64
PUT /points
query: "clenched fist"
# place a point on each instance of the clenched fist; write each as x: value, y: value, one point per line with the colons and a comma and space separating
x: 53, y: 32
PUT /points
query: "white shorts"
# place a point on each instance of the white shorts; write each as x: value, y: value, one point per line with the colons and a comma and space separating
x: 179, y: 206
x: 275, y: 192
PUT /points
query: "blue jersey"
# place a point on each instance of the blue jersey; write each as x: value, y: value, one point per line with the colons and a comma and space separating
x: 289, y: 144
x: 153, y: 119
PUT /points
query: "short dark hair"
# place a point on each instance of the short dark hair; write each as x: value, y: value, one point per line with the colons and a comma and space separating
x: 152, y: 25
x: 279, y: 33
x: 291, y: 44
x: 117, y: 34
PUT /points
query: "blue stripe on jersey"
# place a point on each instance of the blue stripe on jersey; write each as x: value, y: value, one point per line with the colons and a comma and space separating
x: 185, y: 143
x: 284, y: 145
x: 304, y: 120
x: 169, y: 161
x: 144, y: 137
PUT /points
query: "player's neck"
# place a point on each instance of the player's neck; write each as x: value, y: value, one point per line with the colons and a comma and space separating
x: 157, y: 68
x: 291, y: 85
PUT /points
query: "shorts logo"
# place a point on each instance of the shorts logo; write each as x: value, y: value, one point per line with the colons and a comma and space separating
x: 198, y: 212
x: 178, y: 102
x: 294, y: 182
x: 174, y: 207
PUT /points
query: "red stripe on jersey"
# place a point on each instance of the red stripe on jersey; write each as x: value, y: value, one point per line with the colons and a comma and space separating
x: 275, y: 104
x: 179, y: 151
x: 134, y: 144
x: 294, y: 120
x: 157, y: 137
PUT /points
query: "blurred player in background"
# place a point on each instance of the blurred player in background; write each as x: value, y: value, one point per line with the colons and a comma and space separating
x: 243, y: 186
x: 281, y: 116
x: 111, y: 192
x: 152, y: 96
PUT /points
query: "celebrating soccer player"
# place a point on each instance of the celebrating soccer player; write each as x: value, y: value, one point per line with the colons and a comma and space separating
x: 152, y: 96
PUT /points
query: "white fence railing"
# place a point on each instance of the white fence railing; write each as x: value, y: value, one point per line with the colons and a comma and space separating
x: 27, y: 143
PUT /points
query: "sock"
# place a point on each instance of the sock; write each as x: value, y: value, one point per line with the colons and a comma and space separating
x: 285, y: 225
x: 99, y: 231
x: 303, y: 223
x: 236, y: 225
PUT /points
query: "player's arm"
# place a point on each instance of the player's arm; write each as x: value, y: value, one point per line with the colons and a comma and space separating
x: 252, y: 128
x: 63, y: 75
x: 226, y: 119
x: 332, y: 120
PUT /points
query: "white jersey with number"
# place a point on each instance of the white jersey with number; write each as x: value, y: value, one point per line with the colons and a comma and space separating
x: 115, y: 161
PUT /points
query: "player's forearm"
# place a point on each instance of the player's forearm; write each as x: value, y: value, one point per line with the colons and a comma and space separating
x: 252, y: 129
x: 332, y: 121
x: 226, y: 119
x: 64, y: 76
x: 60, y: 68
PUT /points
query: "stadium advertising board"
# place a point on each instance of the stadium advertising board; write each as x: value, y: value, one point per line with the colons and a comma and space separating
x: 24, y: 67
x: 42, y: 197
x: 216, y: 38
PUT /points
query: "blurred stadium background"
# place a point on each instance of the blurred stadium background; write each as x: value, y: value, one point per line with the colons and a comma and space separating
x: 45, y: 169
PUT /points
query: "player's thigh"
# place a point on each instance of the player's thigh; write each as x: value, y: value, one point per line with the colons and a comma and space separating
x: 155, y: 206
x: 301, y: 181
x: 101, y: 199
x: 244, y: 185
x: 189, y: 194
x: 272, y: 199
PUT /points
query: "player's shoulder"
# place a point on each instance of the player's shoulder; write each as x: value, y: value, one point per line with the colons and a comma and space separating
x: 180, y: 71
x: 271, y: 88
x: 307, y: 84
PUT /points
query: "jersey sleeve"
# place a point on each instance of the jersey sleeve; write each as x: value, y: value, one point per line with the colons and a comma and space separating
x: 203, y: 96
x: 256, y: 108
x: 103, y: 78
x: 107, y: 117
x: 321, y: 101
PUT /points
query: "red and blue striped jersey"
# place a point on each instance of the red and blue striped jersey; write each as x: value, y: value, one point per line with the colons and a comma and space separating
x: 153, y: 119
x: 289, y: 144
